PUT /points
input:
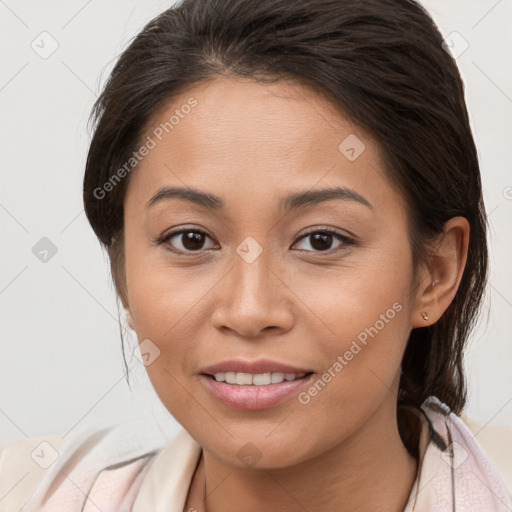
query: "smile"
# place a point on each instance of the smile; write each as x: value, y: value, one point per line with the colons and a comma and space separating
x: 258, y: 379
x: 253, y: 392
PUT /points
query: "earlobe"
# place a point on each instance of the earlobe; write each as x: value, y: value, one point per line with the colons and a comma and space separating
x: 447, y: 262
x: 129, y: 319
x: 423, y: 313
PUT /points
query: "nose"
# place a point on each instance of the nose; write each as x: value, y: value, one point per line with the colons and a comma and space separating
x: 253, y: 298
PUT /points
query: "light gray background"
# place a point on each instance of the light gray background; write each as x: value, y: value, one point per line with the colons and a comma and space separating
x: 60, y: 353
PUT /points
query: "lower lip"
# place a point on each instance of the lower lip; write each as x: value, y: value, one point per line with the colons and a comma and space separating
x: 251, y: 397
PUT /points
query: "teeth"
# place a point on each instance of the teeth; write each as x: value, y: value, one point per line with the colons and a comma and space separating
x: 259, y: 379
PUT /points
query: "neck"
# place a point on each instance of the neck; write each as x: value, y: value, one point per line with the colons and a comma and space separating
x: 370, y: 471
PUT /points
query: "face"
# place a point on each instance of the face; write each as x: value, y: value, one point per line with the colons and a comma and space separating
x: 267, y: 273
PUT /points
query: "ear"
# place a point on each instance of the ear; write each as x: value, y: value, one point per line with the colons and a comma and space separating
x: 129, y: 319
x: 440, y: 281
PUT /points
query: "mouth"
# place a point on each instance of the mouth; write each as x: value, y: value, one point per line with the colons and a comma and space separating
x: 252, y: 392
x: 258, y: 379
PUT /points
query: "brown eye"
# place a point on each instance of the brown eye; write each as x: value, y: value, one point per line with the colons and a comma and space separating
x: 322, y: 240
x: 192, y: 240
x: 186, y: 240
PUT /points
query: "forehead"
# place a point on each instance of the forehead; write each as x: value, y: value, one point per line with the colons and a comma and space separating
x: 249, y: 116
x: 256, y: 136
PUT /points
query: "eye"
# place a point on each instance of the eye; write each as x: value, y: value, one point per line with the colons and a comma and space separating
x: 185, y: 240
x: 194, y: 240
x: 322, y: 239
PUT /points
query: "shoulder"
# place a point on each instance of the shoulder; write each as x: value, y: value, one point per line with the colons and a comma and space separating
x: 476, y: 453
x: 37, y: 471
x: 496, y: 442
x: 22, y: 468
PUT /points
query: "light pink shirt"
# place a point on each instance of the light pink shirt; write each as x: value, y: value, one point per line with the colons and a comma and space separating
x: 134, y: 467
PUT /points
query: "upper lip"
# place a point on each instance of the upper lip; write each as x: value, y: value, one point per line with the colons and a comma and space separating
x: 255, y: 367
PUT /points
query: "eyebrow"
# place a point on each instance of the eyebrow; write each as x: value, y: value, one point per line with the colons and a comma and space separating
x: 291, y: 202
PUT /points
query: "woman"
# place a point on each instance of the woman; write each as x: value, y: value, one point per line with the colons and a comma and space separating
x: 290, y: 197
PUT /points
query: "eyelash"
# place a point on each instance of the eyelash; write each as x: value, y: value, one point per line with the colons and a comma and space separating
x: 341, y: 238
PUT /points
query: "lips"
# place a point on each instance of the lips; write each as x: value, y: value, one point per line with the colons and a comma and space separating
x: 252, y: 397
x: 255, y: 367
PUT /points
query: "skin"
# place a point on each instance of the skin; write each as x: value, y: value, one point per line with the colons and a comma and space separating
x: 252, y: 144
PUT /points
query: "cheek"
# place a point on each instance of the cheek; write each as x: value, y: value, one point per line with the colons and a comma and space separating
x: 362, y: 361
x: 365, y: 313
x: 160, y: 296
x: 344, y: 300
x: 171, y: 307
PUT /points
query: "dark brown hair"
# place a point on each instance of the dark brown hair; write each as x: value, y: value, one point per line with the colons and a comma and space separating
x: 383, y: 62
